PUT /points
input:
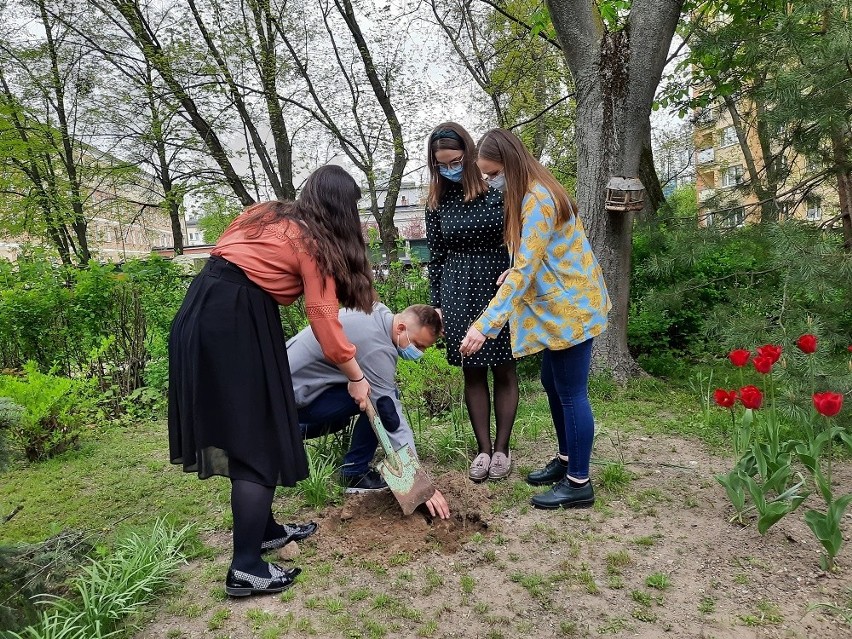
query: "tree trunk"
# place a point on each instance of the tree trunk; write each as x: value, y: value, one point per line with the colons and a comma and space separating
x: 654, y: 196
x: 387, y: 229
x: 842, y: 162
x: 615, y: 74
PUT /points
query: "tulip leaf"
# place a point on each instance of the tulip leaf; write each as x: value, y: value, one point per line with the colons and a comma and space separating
x: 771, y: 514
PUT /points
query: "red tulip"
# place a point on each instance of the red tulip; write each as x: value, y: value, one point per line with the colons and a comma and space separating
x: 724, y: 398
x: 740, y: 357
x: 807, y: 343
x: 763, y: 364
x: 828, y: 403
x: 770, y: 351
x: 751, y: 397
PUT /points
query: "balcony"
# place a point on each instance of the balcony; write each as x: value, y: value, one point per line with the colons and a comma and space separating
x: 705, y: 194
x: 705, y: 156
x: 705, y: 117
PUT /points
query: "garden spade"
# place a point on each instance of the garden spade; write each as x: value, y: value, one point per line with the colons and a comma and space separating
x: 407, y: 480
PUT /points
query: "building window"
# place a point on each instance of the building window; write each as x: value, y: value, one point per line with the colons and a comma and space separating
x: 729, y: 137
x: 814, y: 211
x: 735, y: 217
x: 785, y: 210
x: 733, y: 175
x: 404, y: 201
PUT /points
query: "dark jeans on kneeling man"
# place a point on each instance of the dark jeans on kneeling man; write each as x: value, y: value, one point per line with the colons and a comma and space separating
x: 331, y: 413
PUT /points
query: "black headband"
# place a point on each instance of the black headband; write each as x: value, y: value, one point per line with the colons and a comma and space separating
x: 447, y: 133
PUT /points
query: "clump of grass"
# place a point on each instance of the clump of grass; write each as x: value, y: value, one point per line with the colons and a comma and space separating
x: 658, y: 580
x: 615, y: 561
x: 319, y: 489
x: 113, y: 588
x: 614, y: 477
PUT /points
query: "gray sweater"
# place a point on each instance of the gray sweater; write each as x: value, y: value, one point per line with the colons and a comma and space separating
x: 376, y: 353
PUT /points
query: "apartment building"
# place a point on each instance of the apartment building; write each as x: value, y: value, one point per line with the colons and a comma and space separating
x: 722, y: 181
x: 125, y: 219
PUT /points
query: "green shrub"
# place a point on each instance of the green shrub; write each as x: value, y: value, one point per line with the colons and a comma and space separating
x: 11, y: 415
x: 430, y: 383
x: 30, y: 570
x: 53, y: 411
x: 114, y: 587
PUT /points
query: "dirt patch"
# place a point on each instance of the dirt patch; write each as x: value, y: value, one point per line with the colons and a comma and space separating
x: 371, y: 526
x: 656, y: 557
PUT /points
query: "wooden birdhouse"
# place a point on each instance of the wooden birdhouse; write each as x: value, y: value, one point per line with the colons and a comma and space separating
x: 624, y: 194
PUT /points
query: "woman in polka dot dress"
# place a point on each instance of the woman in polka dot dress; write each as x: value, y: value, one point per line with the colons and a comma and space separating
x: 464, y: 228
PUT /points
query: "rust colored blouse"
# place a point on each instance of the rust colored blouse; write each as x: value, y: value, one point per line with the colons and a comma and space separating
x: 279, y: 263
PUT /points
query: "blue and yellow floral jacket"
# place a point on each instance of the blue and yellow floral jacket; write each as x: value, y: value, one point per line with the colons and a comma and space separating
x: 554, y: 295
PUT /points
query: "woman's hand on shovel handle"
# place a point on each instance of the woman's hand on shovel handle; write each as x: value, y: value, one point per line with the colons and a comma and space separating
x: 438, y: 506
x: 360, y: 392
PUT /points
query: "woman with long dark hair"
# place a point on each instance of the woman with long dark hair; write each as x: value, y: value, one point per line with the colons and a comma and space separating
x: 554, y: 299
x: 231, y: 405
x: 464, y: 228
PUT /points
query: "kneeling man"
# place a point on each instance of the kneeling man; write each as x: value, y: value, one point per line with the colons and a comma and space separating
x: 325, y: 406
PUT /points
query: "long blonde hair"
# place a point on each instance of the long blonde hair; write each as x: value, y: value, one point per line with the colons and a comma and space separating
x: 449, y: 135
x: 521, y: 171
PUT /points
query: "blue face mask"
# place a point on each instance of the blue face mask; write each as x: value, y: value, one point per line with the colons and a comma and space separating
x: 453, y: 175
x: 410, y: 352
x: 498, y: 182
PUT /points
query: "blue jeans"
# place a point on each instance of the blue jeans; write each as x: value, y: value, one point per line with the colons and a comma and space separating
x: 331, y: 412
x: 565, y: 377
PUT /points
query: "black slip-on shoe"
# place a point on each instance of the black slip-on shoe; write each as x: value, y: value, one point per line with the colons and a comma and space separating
x: 243, y: 584
x: 295, y: 532
x: 564, y: 495
x: 369, y: 482
x: 550, y: 474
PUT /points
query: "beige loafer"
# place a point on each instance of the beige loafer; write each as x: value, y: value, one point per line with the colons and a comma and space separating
x: 501, y: 466
x: 480, y: 467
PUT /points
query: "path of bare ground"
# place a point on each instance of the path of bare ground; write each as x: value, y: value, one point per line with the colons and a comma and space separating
x: 501, y: 569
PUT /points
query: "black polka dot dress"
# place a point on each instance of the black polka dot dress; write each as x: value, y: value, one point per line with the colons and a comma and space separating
x: 467, y: 255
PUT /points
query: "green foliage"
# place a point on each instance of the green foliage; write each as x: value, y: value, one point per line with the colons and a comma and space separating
x: 400, y: 285
x: 97, y: 323
x: 430, y: 383
x: 36, y: 569
x: 320, y: 489
x: 113, y: 587
x: 53, y: 412
x: 696, y: 289
x: 218, y: 211
x: 11, y: 415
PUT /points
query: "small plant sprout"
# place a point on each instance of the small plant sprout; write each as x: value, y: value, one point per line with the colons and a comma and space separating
x: 658, y: 580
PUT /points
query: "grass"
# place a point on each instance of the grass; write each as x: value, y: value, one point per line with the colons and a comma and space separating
x: 125, y: 474
x: 658, y: 580
x: 114, y: 587
x: 105, y: 485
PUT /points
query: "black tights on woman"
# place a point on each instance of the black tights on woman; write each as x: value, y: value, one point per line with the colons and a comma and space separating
x: 478, y: 400
x: 251, y: 506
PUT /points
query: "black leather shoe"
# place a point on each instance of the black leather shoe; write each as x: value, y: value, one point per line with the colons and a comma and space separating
x: 370, y: 481
x: 243, y: 584
x: 295, y: 532
x: 563, y: 495
x: 550, y: 474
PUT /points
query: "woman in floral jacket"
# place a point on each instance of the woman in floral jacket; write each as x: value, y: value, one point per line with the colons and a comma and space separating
x: 554, y: 299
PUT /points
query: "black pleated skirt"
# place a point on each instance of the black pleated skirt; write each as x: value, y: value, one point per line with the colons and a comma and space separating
x: 231, y: 405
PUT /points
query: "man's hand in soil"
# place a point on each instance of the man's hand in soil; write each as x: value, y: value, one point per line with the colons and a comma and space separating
x: 438, y: 506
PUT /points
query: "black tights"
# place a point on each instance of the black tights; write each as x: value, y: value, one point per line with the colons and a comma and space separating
x: 251, y: 507
x: 478, y: 401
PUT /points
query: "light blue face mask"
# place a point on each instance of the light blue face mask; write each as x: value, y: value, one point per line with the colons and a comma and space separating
x: 453, y: 175
x: 410, y: 352
x: 498, y: 182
